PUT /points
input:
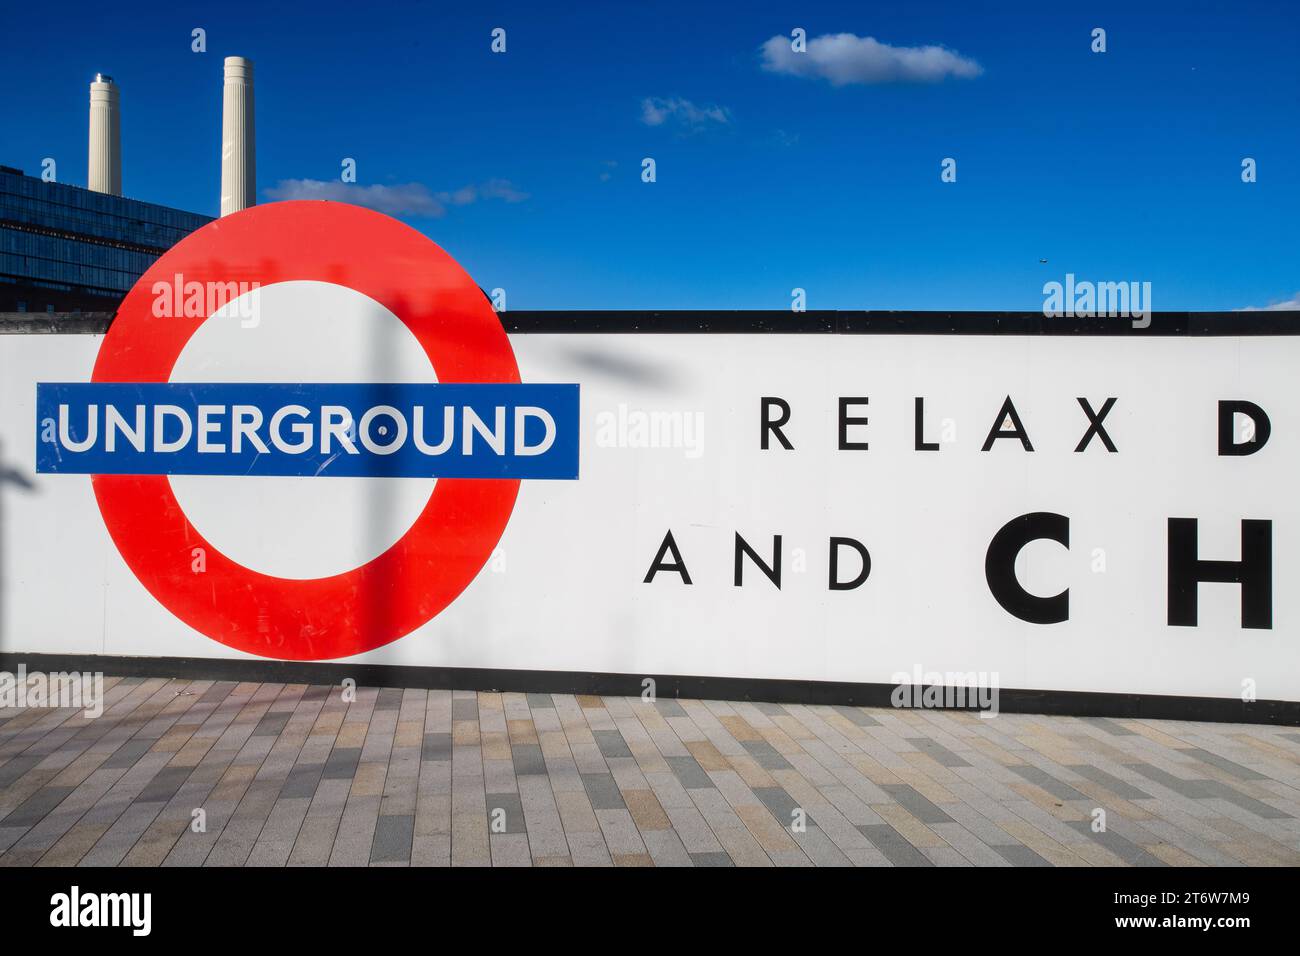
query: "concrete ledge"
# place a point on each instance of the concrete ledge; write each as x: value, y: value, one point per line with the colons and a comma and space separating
x: 54, y: 323
x: 1010, y: 700
x: 784, y: 322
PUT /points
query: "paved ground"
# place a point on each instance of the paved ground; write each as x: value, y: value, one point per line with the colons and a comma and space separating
x: 290, y: 774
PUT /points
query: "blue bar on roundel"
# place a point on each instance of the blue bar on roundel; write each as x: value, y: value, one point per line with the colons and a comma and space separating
x: 327, y: 430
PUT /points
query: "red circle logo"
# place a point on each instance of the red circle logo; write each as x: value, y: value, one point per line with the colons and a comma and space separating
x: 460, y: 525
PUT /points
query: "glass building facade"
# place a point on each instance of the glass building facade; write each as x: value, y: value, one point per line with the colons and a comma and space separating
x: 64, y: 248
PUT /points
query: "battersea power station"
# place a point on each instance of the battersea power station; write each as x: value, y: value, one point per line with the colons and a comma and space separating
x: 64, y: 248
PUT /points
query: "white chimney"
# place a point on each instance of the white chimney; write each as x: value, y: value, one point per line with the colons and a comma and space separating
x: 105, y: 166
x: 238, y: 154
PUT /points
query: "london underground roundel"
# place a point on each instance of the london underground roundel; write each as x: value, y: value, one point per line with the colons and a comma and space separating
x: 477, y: 430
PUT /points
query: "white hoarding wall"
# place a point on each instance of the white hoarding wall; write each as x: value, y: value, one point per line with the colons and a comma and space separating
x: 672, y: 442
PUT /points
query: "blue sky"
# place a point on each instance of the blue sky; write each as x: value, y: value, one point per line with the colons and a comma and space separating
x: 526, y: 166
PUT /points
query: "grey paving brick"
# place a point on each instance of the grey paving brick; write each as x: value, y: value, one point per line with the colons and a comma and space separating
x: 1121, y: 788
x: 164, y: 785
x: 611, y: 744
x: 393, y: 839
x: 712, y: 859
x: 894, y: 845
x: 509, y: 810
x: 857, y: 715
x: 125, y: 755
x: 1248, y: 803
x: 1041, y: 778
x: 390, y: 698
x: 782, y: 805
x: 1108, y: 725
x: 1194, y: 789
x: 528, y: 759
x: 218, y: 692
x: 272, y: 724
x: 1018, y: 855
x: 342, y: 763
x: 689, y: 772
x: 32, y: 810
x: 602, y: 791
x: 940, y: 753
x: 767, y: 756
x: 8, y: 837
x: 915, y: 804
x: 436, y: 746
x: 302, y: 781
x: 16, y: 767
x: 1224, y: 764
x: 1128, y: 851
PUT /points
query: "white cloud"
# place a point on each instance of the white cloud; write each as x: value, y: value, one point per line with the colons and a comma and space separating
x: 502, y: 189
x: 656, y: 111
x: 1290, y: 304
x: 403, y: 199
x: 844, y: 59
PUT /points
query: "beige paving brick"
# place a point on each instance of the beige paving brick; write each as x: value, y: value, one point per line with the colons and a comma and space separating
x: 873, y: 769
x: 522, y: 731
x: 749, y: 770
x: 915, y: 832
x: 792, y: 727
x: 410, y: 733
x: 739, y: 728
x: 646, y: 810
x: 1038, y: 841
x: 1046, y: 801
x: 495, y: 746
x: 1110, y: 802
x: 465, y: 733
x: 351, y: 734
x: 1154, y: 734
x: 1173, y: 855
x: 369, y: 779
x: 707, y: 755
x: 925, y: 784
x: 771, y: 835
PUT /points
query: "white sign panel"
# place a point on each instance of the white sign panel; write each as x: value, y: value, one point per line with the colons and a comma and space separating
x: 344, y: 457
x: 698, y: 541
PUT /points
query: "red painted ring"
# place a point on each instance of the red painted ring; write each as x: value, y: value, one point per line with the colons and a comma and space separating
x: 460, y: 525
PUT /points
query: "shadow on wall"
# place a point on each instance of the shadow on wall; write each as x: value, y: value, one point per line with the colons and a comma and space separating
x: 377, y: 609
x: 626, y: 369
x: 9, y: 476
